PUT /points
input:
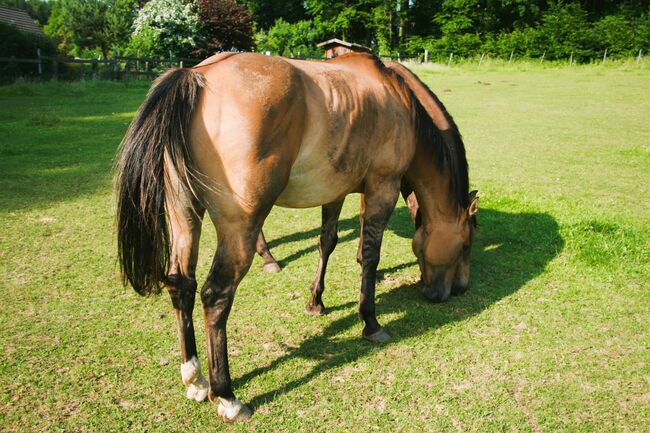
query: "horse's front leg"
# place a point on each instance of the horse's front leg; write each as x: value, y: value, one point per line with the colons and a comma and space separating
x: 328, y: 238
x: 185, y: 228
x: 231, y: 262
x: 262, y: 248
x: 379, y: 200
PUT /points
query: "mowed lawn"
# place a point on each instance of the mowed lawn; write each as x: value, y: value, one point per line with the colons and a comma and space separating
x: 553, y: 335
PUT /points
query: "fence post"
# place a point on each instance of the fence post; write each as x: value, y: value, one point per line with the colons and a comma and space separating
x: 451, y: 56
x: 93, y: 68
x: 605, y: 56
x: 398, y: 59
x: 39, y: 65
x: 55, y: 69
x: 512, y: 53
x: 115, y: 66
x: 426, y: 56
x: 481, y: 60
x: 571, y: 59
x: 638, y: 58
x: 180, y: 64
x: 542, y: 59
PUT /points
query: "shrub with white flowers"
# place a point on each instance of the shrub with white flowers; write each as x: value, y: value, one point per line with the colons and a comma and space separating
x: 163, y: 25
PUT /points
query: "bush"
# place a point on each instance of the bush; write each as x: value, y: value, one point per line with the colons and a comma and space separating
x: 613, y: 33
x: 642, y: 33
x: 164, y: 25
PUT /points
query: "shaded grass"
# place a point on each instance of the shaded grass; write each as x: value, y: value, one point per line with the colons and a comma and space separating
x: 552, y: 335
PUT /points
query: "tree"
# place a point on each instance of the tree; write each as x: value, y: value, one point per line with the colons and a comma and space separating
x: 266, y: 12
x: 225, y: 25
x: 164, y: 25
x: 91, y: 24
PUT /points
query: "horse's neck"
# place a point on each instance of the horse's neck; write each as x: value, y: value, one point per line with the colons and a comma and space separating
x: 432, y: 191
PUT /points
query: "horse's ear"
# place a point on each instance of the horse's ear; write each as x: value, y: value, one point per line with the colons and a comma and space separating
x: 473, y: 202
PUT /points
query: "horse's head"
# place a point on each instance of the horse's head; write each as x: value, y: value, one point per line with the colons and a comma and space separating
x: 443, y: 252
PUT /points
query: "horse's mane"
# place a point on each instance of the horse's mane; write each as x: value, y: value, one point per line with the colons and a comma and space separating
x: 445, y: 146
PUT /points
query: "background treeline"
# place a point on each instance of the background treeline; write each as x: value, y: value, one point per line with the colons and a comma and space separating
x: 196, y: 28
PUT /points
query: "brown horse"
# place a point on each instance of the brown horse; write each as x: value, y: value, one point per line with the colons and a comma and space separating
x: 239, y: 133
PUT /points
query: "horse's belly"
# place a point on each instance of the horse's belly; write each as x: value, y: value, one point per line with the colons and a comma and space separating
x: 314, y: 188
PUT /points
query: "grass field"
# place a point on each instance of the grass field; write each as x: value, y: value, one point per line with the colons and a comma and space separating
x: 552, y: 336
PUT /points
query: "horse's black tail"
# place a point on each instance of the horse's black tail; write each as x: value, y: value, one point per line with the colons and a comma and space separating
x: 155, y: 143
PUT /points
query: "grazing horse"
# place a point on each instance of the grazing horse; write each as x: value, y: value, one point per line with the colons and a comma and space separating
x: 239, y: 133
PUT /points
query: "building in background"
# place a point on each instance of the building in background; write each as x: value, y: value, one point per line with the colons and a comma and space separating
x: 19, y: 19
x: 336, y: 47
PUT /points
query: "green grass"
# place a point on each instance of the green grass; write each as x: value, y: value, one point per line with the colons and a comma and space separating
x: 552, y: 336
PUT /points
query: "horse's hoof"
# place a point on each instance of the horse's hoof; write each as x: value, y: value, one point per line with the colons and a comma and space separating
x: 272, y: 268
x: 380, y: 336
x: 233, y: 411
x: 315, y: 310
x: 196, y: 385
x: 198, y: 390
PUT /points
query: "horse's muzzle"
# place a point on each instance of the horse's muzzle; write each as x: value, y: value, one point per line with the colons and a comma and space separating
x: 437, y: 292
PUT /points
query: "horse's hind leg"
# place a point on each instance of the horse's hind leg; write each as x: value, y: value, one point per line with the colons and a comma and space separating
x: 232, y: 260
x: 270, y: 265
x: 380, y: 198
x: 185, y: 230
x: 327, y: 243
x: 362, y: 210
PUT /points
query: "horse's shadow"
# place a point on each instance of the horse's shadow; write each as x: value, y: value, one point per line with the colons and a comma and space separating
x: 400, y: 224
x: 510, y: 249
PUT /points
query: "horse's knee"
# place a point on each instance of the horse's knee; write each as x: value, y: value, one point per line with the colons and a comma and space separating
x: 181, y: 290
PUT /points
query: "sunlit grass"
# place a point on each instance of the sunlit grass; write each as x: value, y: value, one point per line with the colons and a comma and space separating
x: 552, y: 336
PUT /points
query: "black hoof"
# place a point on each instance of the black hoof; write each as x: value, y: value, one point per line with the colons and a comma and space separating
x: 315, y: 309
x: 380, y: 337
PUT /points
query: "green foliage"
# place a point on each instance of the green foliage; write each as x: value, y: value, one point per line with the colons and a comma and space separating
x: 164, y: 25
x: 555, y: 29
x: 563, y: 30
x: 642, y: 32
x: 266, y: 12
x: 290, y: 39
x: 614, y: 33
x: 83, y: 26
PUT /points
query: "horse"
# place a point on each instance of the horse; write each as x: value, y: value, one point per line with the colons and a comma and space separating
x: 239, y: 133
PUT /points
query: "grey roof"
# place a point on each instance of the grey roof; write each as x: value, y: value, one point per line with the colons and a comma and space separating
x: 351, y: 45
x: 19, y: 19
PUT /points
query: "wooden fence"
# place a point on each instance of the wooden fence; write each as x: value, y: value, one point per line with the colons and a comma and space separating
x: 116, y: 68
x: 120, y: 67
